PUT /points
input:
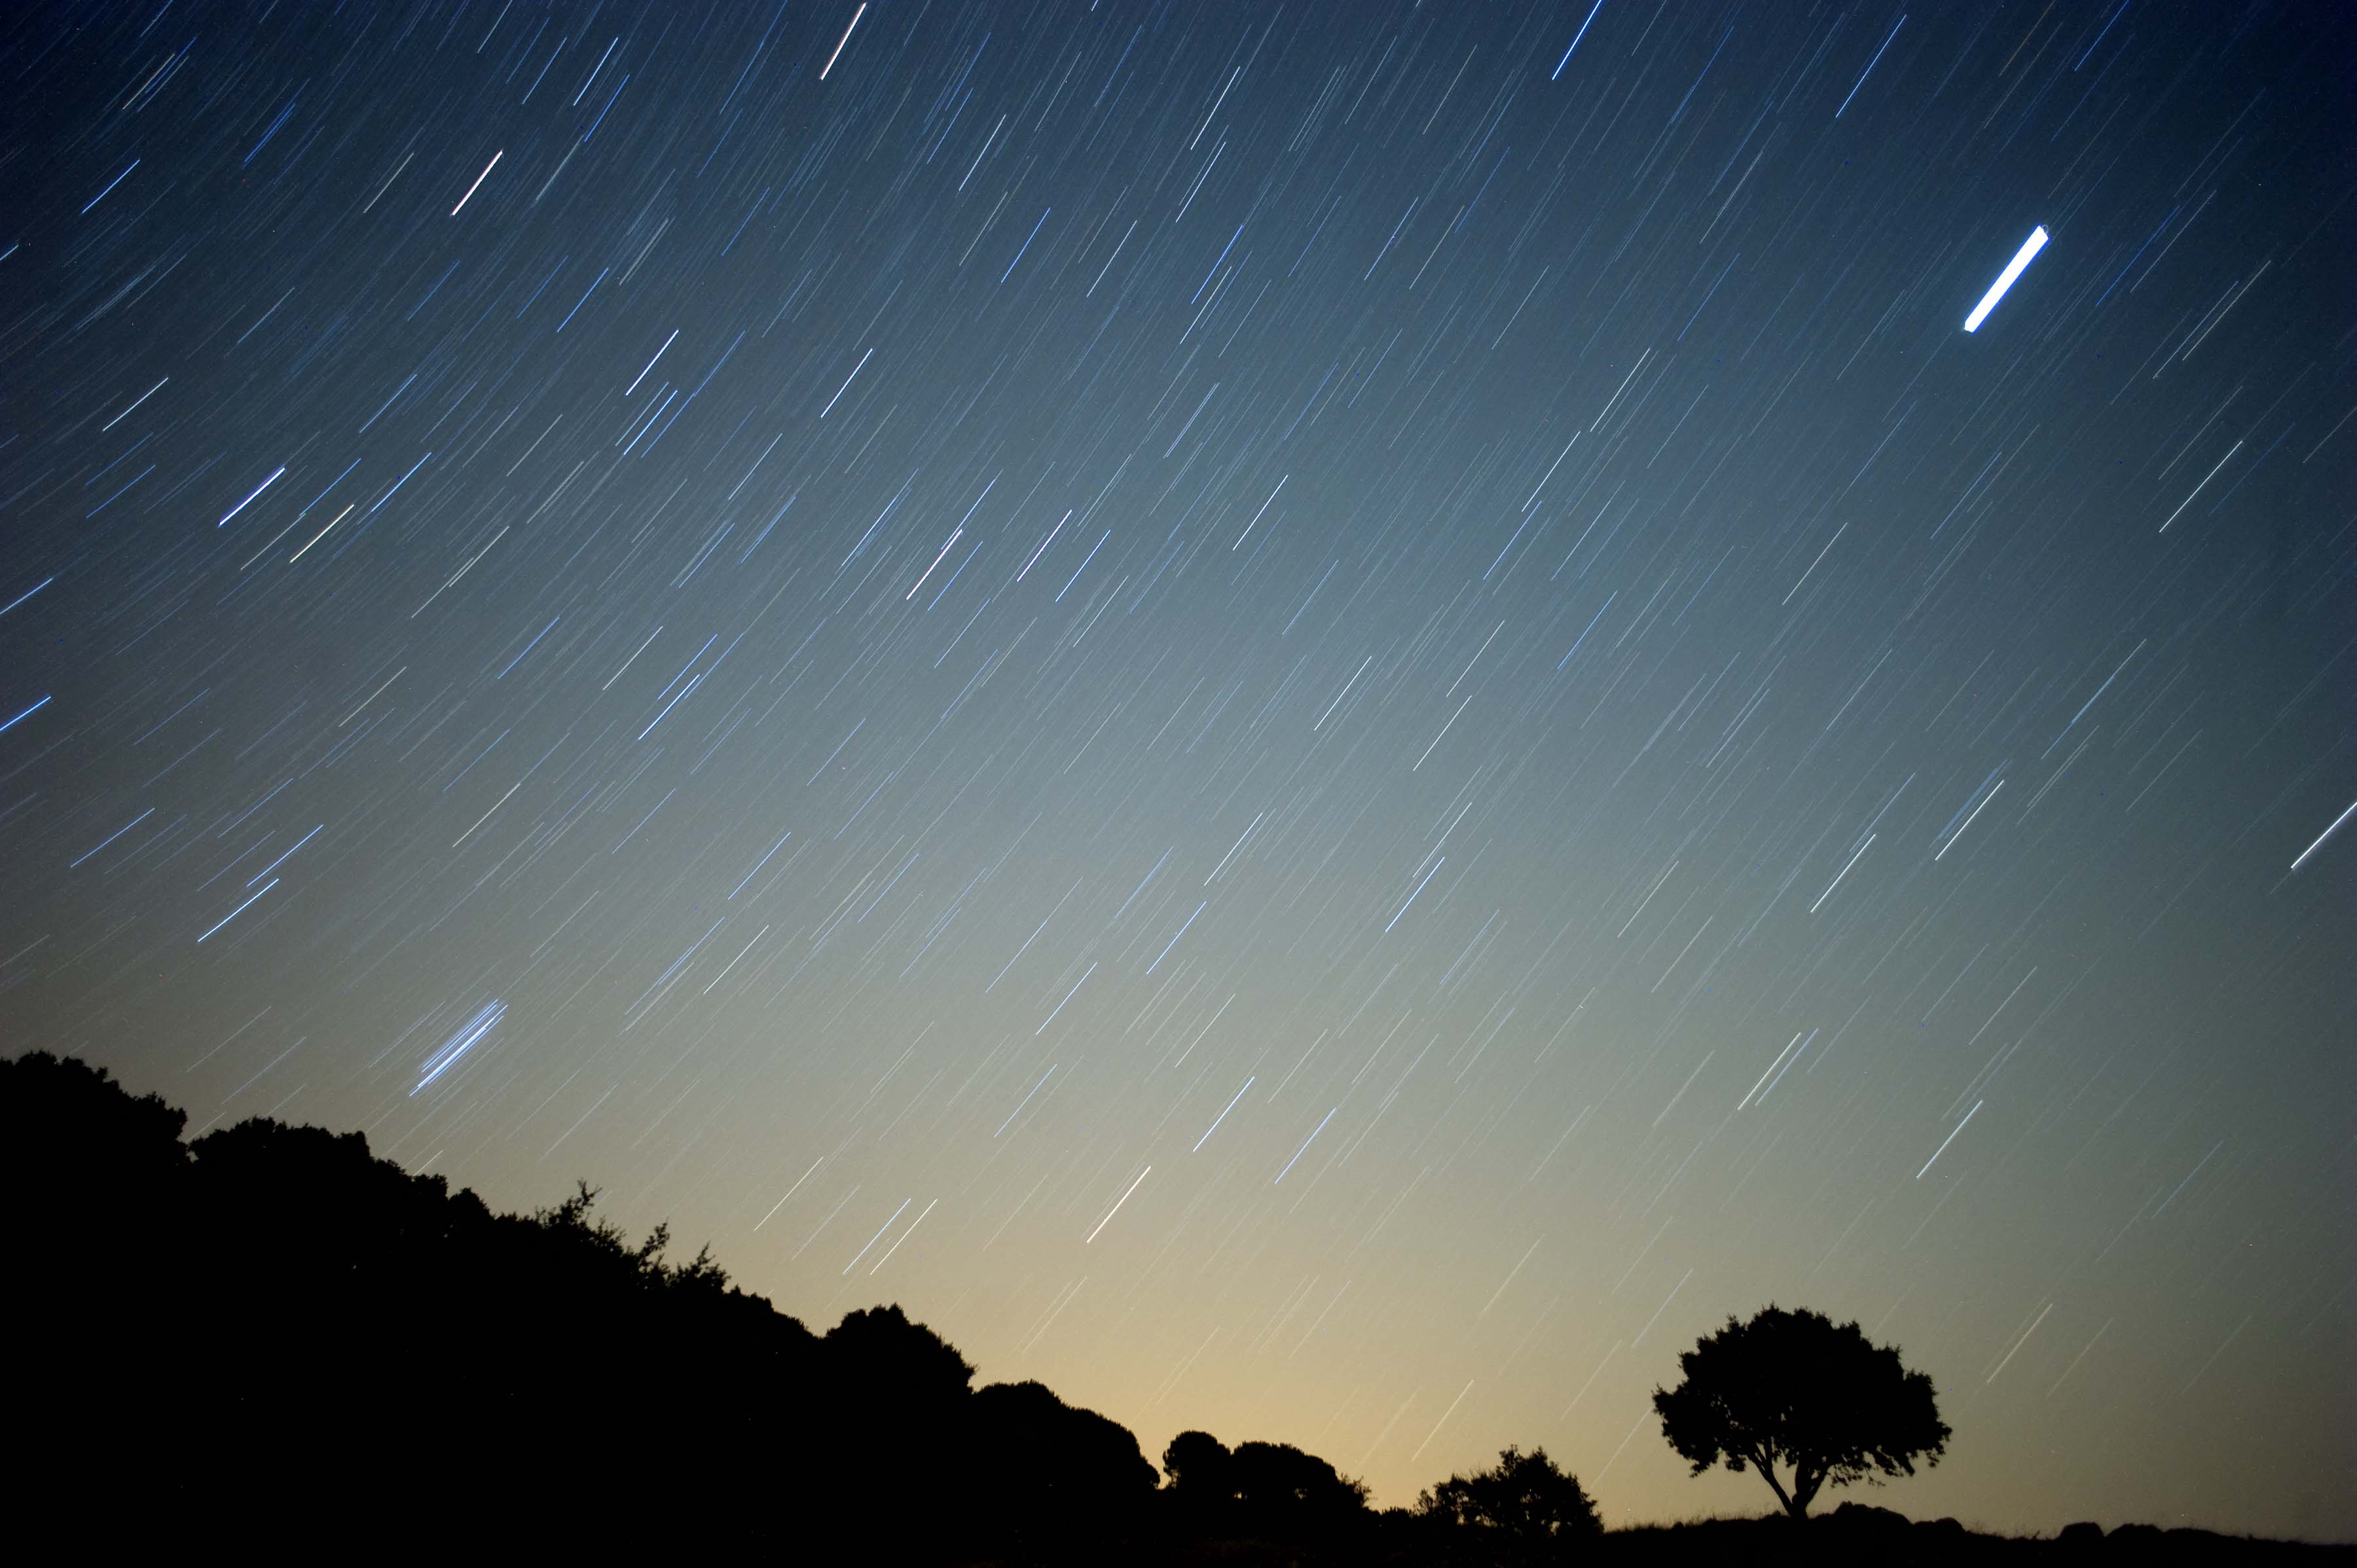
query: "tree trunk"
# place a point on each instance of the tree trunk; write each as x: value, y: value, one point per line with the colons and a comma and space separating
x: 1767, y: 1474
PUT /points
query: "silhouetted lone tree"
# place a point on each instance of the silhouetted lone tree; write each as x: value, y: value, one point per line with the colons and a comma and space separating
x: 1791, y: 1388
x: 1522, y: 1510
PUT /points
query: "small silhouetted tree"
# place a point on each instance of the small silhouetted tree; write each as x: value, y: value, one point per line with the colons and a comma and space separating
x: 1522, y: 1510
x: 1791, y: 1388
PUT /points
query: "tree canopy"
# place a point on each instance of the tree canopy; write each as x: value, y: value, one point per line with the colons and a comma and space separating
x: 1791, y: 1388
x: 1278, y: 1484
x: 1038, y: 1460
x: 1270, y: 1490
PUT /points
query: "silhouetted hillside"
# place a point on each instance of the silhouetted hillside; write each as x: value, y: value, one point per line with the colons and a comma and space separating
x: 269, y: 1339
x: 269, y: 1329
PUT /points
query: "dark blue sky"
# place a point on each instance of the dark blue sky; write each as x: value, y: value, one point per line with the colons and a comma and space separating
x: 1323, y: 721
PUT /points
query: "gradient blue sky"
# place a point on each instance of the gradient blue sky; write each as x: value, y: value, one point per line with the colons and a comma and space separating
x: 1323, y: 721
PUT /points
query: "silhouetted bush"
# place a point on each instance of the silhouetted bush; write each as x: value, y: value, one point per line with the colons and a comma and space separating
x: 1521, y: 1510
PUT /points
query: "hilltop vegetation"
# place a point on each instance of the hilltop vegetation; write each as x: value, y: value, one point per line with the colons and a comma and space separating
x: 268, y: 1337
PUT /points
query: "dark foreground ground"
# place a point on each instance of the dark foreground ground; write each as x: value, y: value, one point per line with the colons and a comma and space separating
x: 1852, y: 1535
x: 1864, y: 1534
x: 805, y: 1535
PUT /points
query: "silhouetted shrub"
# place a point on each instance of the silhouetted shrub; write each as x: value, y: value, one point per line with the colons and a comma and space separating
x: 1521, y: 1510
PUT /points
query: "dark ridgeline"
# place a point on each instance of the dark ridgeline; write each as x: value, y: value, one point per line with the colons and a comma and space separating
x: 269, y: 1341
x: 268, y: 1333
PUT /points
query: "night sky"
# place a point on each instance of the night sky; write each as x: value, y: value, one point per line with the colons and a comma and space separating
x: 1323, y: 721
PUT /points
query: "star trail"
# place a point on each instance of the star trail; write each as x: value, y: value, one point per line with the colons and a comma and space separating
x: 1323, y: 721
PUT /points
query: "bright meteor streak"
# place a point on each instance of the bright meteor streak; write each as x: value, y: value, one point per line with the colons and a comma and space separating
x: 479, y: 180
x: 843, y: 40
x: 459, y: 1043
x: 1117, y: 1203
x: 2296, y: 864
x: 243, y: 504
x: 2013, y: 269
